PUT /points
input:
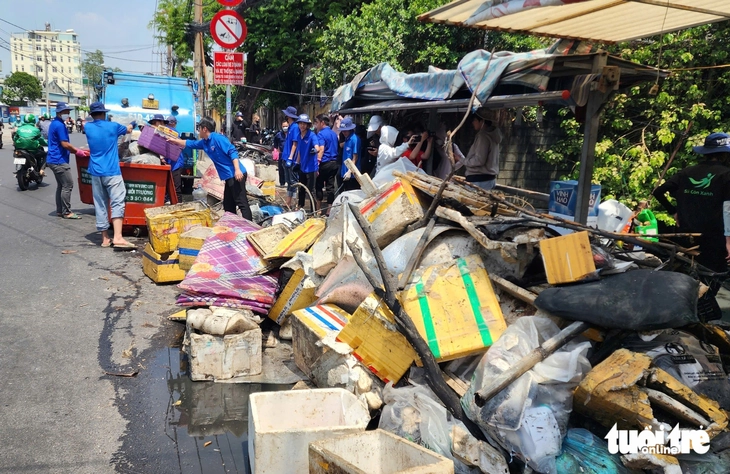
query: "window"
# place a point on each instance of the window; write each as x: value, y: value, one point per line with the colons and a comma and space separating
x: 22, y: 68
x: 53, y: 48
x: 53, y: 58
x: 39, y: 58
x: 37, y: 47
x: 55, y: 69
x: 62, y: 70
x: 68, y: 49
x: 16, y: 57
x: 16, y: 68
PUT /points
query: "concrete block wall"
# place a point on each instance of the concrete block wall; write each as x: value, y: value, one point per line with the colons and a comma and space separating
x: 520, y: 165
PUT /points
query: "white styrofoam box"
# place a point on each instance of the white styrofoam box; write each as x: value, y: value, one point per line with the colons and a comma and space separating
x: 613, y: 216
x: 267, y: 172
x: 224, y: 357
x: 375, y: 452
x: 282, y: 424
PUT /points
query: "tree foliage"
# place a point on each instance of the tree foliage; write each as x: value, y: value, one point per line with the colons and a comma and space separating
x: 21, y: 87
x: 92, y: 67
x: 640, y: 131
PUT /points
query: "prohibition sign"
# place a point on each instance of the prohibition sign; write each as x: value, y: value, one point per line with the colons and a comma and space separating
x: 229, y: 3
x: 228, y: 29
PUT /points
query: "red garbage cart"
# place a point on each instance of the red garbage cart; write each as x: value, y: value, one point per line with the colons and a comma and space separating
x: 146, y: 186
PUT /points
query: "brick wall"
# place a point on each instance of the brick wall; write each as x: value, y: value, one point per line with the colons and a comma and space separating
x: 520, y: 166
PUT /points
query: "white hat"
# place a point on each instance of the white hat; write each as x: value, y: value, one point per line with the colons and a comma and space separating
x: 376, y: 121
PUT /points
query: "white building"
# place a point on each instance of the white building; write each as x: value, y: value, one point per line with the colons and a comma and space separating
x: 60, y: 52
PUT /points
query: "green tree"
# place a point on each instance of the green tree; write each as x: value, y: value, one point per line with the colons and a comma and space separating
x: 640, y: 131
x: 92, y: 67
x: 21, y: 87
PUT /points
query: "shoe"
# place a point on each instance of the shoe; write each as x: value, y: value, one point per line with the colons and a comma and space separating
x: 106, y: 245
x: 127, y: 246
x: 72, y: 216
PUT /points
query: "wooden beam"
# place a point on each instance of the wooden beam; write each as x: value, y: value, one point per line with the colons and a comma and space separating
x: 679, y: 6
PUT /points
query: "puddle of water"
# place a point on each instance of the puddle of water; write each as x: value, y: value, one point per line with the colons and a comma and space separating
x: 197, y: 413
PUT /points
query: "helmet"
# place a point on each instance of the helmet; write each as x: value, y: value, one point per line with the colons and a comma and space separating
x: 29, y: 118
x: 47, y: 116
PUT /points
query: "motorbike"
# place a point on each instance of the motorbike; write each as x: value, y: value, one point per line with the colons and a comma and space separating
x: 70, y: 127
x: 261, y: 154
x: 28, y: 168
x: 1, y: 137
x: 78, y: 126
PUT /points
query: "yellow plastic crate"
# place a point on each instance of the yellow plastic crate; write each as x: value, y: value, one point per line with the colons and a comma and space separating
x: 298, y: 240
x: 163, y: 268
x: 297, y: 294
x: 190, y: 244
x: 166, y: 223
x: 375, y: 341
x: 454, y: 308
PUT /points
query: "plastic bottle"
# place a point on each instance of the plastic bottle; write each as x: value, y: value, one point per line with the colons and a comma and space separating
x: 649, y: 225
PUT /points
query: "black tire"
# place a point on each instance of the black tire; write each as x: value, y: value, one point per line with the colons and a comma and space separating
x: 23, y: 181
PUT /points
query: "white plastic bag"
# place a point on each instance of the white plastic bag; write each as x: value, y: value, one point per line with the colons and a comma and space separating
x: 530, y: 416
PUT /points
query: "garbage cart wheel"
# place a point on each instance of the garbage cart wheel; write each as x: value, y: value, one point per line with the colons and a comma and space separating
x: 137, y: 231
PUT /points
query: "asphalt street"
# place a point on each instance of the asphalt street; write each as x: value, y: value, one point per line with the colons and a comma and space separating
x: 71, y: 313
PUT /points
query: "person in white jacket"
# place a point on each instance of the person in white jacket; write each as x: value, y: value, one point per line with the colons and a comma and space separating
x: 387, y: 152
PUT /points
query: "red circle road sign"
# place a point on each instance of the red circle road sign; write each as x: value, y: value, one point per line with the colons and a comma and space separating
x: 228, y: 29
x: 230, y: 3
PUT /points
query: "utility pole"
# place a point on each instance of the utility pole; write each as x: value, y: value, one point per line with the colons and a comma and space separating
x: 45, y: 70
x: 198, y: 58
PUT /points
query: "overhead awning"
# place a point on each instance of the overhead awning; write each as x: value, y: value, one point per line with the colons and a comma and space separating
x: 608, y: 21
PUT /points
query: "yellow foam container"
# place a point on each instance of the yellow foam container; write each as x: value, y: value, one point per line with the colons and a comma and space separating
x: 454, y: 308
x: 269, y: 188
x: 298, y: 240
x: 190, y: 244
x: 391, y: 211
x: 297, y: 294
x: 375, y: 341
x: 568, y: 258
x: 166, y: 223
x: 161, y: 268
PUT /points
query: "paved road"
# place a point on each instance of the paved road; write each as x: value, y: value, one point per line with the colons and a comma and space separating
x: 69, y: 311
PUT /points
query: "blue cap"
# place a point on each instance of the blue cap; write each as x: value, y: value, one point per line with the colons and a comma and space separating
x: 291, y: 112
x: 304, y: 118
x: 239, y: 114
x: 97, y: 107
x: 159, y: 117
x: 347, y: 124
x: 62, y: 107
x: 717, y: 142
x: 171, y: 119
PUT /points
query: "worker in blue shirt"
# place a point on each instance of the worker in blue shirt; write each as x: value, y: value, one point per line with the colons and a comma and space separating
x: 176, y: 166
x: 304, y: 156
x: 227, y: 163
x: 328, y: 166
x: 290, y: 175
x: 351, y: 150
x: 58, y: 160
x: 107, y: 184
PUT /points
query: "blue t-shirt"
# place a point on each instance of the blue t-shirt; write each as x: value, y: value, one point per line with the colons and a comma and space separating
x: 176, y: 165
x: 350, y: 149
x: 57, y: 133
x: 306, y: 153
x: 328, y: 139
x: 102, y: 136
x: 220, y: 151
x: 290, y: 135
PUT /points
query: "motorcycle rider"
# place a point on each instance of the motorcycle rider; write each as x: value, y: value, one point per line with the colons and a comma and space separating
x: 78, y: 124
x: 70, y: 124
x: 2, y: 126
x: 44, y: 125
x: 28, y: 138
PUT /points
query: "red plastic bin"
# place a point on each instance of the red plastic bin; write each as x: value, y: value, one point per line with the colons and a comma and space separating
x: 146, y: 186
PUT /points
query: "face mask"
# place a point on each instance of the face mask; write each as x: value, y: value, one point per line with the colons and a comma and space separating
x: 285, y: 128
x: 64, y: 116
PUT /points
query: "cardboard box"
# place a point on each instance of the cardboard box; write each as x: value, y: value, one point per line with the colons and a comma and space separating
x: 567, y: 258
x: 166, y: 223
x: 297, y: 294
x: 454, y: 308
x: 224, y: 357
x: 376, y: 342
x: 564, y: 197
x: 162, y: 268
x: 391, y: 211
x: 309, y: 327
x: 190, y: 244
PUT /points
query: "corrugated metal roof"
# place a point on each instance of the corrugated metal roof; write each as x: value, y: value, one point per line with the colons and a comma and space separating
x: 607, y: 21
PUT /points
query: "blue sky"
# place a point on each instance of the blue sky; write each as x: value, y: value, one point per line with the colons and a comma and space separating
x: 113, y: 27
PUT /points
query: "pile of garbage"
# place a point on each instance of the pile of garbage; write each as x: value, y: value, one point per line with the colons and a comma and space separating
x: 464, y: 322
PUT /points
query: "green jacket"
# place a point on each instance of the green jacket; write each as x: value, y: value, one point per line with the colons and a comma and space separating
x: 28, y: 137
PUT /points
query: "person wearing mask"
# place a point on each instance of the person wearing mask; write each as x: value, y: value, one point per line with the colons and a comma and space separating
x: 482, y: 160
x: 107, y: 184
x: 387, y: 152
x: 279, y: 140
x: 305, y: 149
x: 350, y: 151
x: 227, y: 163
x: 176, y: 165
x: 702, y: 195
x: 58, y: 159
x: 327, y: 157
x: 238, y: 128
x: 369, y: 159
x: 291, y: 177
x: 44, y: 124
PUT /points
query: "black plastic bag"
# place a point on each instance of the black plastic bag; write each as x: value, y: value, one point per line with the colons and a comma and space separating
x: 639, y: 300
